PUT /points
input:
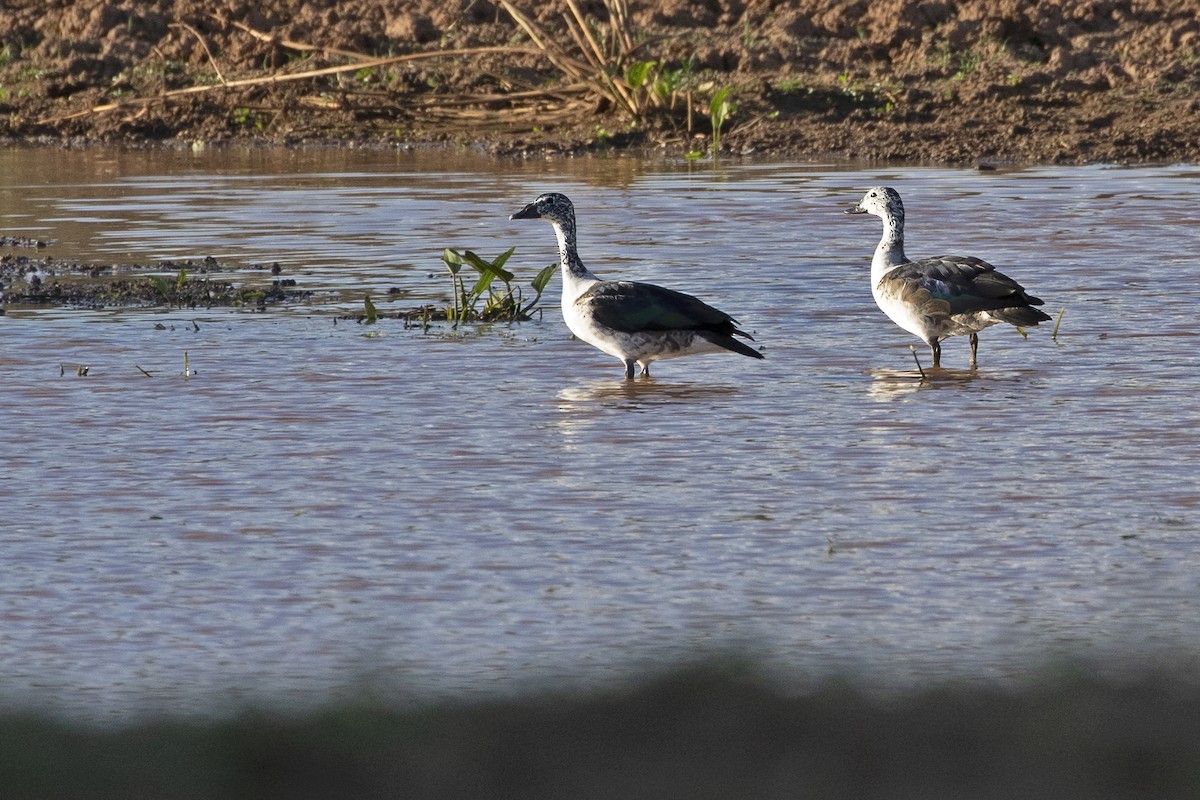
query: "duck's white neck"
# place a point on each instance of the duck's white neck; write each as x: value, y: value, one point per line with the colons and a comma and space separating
x: 890, y: 252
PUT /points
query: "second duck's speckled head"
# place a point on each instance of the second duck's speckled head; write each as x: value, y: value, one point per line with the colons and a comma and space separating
x: 552, y: 207
x: 882, y: 201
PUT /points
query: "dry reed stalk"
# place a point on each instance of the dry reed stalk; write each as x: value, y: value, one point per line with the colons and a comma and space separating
x: 618, y: 20
x: 508, y: 115
x: 749, y: 125
x: 289, y: 43
x: 587, y: 33
x: 609, y: 70
x: 588, y: 56
x: 544, y: 43
x: 595, y: 68
x: 141, y: 102
x: 563, y: 94
x: 203, y: 44
x: 613, y: 87
x: 560, y: 105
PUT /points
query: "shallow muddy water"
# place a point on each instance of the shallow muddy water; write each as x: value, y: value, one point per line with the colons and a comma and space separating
x: 324, y: 506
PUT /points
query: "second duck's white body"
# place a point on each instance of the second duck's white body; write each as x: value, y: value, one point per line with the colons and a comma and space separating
x: 943, y: 296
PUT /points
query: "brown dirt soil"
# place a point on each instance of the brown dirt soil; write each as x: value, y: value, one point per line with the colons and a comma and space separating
x: 927, y: 80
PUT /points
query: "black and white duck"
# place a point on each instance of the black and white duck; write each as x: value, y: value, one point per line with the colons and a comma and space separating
x: 636, y: 322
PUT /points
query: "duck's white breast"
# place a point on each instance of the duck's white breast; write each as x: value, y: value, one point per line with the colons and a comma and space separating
x: 904, y: 314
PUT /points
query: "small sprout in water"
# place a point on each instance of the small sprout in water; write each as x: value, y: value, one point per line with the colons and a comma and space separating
x: 372, y: 314
x: 82, y: 370
x: 1057, y: 322
x: 144, y: 372
x: 720, y: 109
x: 187, y: 370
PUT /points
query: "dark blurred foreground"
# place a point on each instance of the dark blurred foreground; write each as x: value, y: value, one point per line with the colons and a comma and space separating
x: 708, y: 733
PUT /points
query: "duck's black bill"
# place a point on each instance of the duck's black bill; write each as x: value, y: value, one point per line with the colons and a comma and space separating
x: 855, y: 210
x: 528, y: 212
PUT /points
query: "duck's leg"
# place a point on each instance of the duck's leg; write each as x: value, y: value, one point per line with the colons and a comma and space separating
x: 645, y: 369
x: 936, y: 347
x: 629, y: 363
x: 974, y: 349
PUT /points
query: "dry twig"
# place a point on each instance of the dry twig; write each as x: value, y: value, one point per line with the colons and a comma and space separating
x: 291, y: 44
x: 604, y: 72
x: 276, y: 78
x: 203, y: 44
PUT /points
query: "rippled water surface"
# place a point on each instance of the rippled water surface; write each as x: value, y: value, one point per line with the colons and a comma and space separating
x: 323, y: 504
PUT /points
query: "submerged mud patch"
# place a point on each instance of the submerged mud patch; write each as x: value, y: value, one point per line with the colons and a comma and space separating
x: 35, y: 282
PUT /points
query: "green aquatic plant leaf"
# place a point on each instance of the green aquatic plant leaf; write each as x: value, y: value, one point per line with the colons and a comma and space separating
x: 482, y: 301
x: 453, y: 260
x: 542, y: 279
x: 483, y: 266
x: 500, y: 260
x: 485, y: 281
x: 539, y: 284
x: 369, y: 307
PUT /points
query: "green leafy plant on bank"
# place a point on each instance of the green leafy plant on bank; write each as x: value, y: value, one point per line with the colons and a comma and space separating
x: 657, y: 85
x: 720, y: 109
x: 246, y: 117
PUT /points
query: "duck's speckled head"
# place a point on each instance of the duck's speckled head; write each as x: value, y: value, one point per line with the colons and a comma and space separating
x: 552, y: 207
x: 882, y: 201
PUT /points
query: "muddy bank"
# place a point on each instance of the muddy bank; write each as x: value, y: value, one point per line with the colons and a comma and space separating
x: 954, y: 82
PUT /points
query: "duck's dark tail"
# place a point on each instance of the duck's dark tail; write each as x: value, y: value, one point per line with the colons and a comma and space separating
x: 1025, y: 316
x: 730, y: 343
